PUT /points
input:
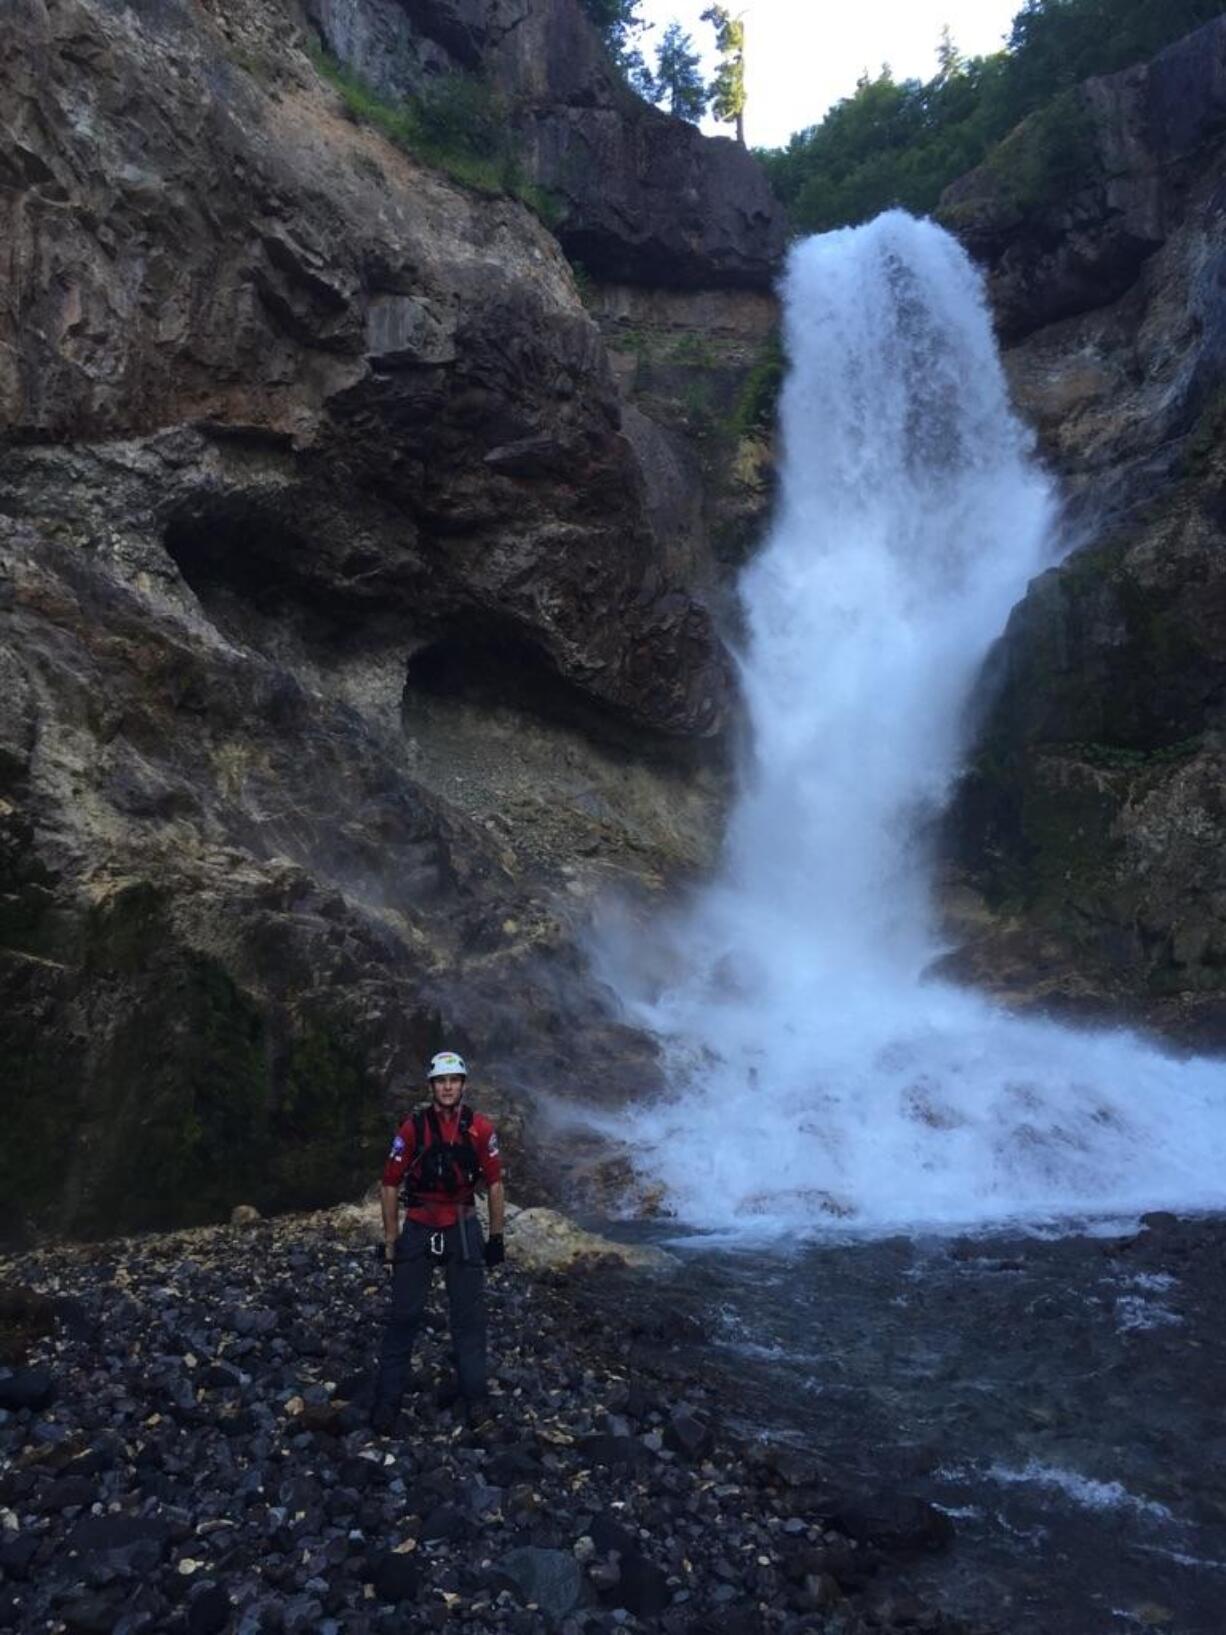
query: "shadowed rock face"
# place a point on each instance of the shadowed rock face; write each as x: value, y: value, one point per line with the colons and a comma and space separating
x: 1130, y: 144
x: 1092, y: 814
x: 641, y: 197
x: 301, y: 439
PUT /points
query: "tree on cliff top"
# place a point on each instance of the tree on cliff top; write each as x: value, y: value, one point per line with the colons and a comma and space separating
x: 728, y: 86
x: 678, y: 81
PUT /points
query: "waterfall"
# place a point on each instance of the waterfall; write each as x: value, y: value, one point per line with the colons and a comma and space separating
x: 815, y: 1073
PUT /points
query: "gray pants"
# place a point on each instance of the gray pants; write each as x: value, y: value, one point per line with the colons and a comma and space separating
x: 463, y: 1263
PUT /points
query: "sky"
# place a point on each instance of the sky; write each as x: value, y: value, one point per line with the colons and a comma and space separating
x: 802, y: 55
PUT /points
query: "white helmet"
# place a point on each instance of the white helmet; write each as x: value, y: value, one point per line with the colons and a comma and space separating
x: 445, y: 1064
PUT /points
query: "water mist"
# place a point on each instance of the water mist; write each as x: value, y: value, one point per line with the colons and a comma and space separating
x: 815, y: 1073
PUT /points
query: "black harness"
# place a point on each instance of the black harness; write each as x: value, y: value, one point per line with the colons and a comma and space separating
x: 440, y: 1168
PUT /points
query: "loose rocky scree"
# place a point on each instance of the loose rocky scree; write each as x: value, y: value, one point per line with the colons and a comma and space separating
x: 184, y: 1447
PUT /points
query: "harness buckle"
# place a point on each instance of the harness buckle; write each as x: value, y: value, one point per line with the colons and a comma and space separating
x: 438, y: 1245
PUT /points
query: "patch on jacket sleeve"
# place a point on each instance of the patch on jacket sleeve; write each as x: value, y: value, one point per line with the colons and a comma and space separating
x: 492, y: 1144
x: 397, y: 1147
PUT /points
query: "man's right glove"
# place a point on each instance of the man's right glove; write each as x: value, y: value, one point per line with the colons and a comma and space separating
x: 385, y: 1254
x: 495, y: 1249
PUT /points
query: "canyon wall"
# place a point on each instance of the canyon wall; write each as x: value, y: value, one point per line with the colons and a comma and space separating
x: 367, y: 536
x: 1093, y: 821
x: 349, y: 649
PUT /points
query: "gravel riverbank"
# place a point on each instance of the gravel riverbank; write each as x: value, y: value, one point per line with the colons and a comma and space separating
x: 183, y: 1448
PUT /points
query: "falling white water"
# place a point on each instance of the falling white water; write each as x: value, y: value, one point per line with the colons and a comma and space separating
x: 815, y: 1072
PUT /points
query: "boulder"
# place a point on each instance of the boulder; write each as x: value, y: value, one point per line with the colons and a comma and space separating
x: 895, y: 1524
x: 642, y: 1587
x: 209, y: 1609
x: 396, y: 1579
x: 688, y: 1433
x: 32, y: 1388
x: 546, y: 1240
x: 549, y: 1578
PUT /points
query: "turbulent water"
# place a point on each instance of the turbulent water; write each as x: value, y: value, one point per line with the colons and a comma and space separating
x: 815, y: 1070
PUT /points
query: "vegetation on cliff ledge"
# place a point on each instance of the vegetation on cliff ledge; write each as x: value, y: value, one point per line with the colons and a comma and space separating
x: 901, y: 142
x: 459, y: 127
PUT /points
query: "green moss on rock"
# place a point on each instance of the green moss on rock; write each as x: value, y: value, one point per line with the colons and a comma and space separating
x: 202, y: 1092
x: 330, y: 1126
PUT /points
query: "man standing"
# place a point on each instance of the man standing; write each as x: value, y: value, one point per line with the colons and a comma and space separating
x: 439, y: 1156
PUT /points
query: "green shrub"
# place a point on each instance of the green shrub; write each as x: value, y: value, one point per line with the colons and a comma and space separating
x: 693, y: 349
x: 1047, y: 157
x: 758, y: 403
x: 583, y: 282
x: 901, y: 142
x: 457, y: 125
x: 697, y: 403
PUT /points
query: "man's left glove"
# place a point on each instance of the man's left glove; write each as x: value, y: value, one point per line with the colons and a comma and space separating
x: 495, y: 1249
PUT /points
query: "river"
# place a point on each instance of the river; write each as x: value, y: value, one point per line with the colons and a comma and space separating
x: 1057, y: 1393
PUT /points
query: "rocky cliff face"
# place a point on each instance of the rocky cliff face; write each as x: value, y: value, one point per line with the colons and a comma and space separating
x: 1093, y: 816
x: 342, y: 647
x: 638, y: 196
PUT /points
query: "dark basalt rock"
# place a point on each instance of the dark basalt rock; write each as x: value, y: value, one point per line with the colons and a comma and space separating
x: 396, y: 1579
x: 550, y: 1578
x: 608, y: 1534
x: 642, y: 1587
x: 612, y: 1450
x: 895, y: 1524
x: 93, y: 1613
x: 17, y: 1554
x: 278, y: 1529
x: 687, y: 1433
x: 209, y: 1609
x: 68, y: 1492
x: 446, y: 1521
x: 32, y: 1388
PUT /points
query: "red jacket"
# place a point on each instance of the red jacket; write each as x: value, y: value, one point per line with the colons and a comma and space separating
x: 443, y: 1209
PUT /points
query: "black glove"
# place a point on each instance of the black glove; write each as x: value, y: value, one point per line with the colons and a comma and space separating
x: 385, y: 1254
x: 495, y: 1249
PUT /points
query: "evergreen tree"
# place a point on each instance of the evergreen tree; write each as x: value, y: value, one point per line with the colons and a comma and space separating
x: 728, y: 86
x: 677, y: 79
x: 620, y: 27
x: 949, y: 58
x: 902, y: 143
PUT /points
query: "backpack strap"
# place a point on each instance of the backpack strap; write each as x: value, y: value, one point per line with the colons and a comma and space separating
x: 419, y: 1152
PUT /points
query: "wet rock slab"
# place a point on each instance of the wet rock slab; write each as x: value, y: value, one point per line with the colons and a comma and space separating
x: 198, y: 1467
